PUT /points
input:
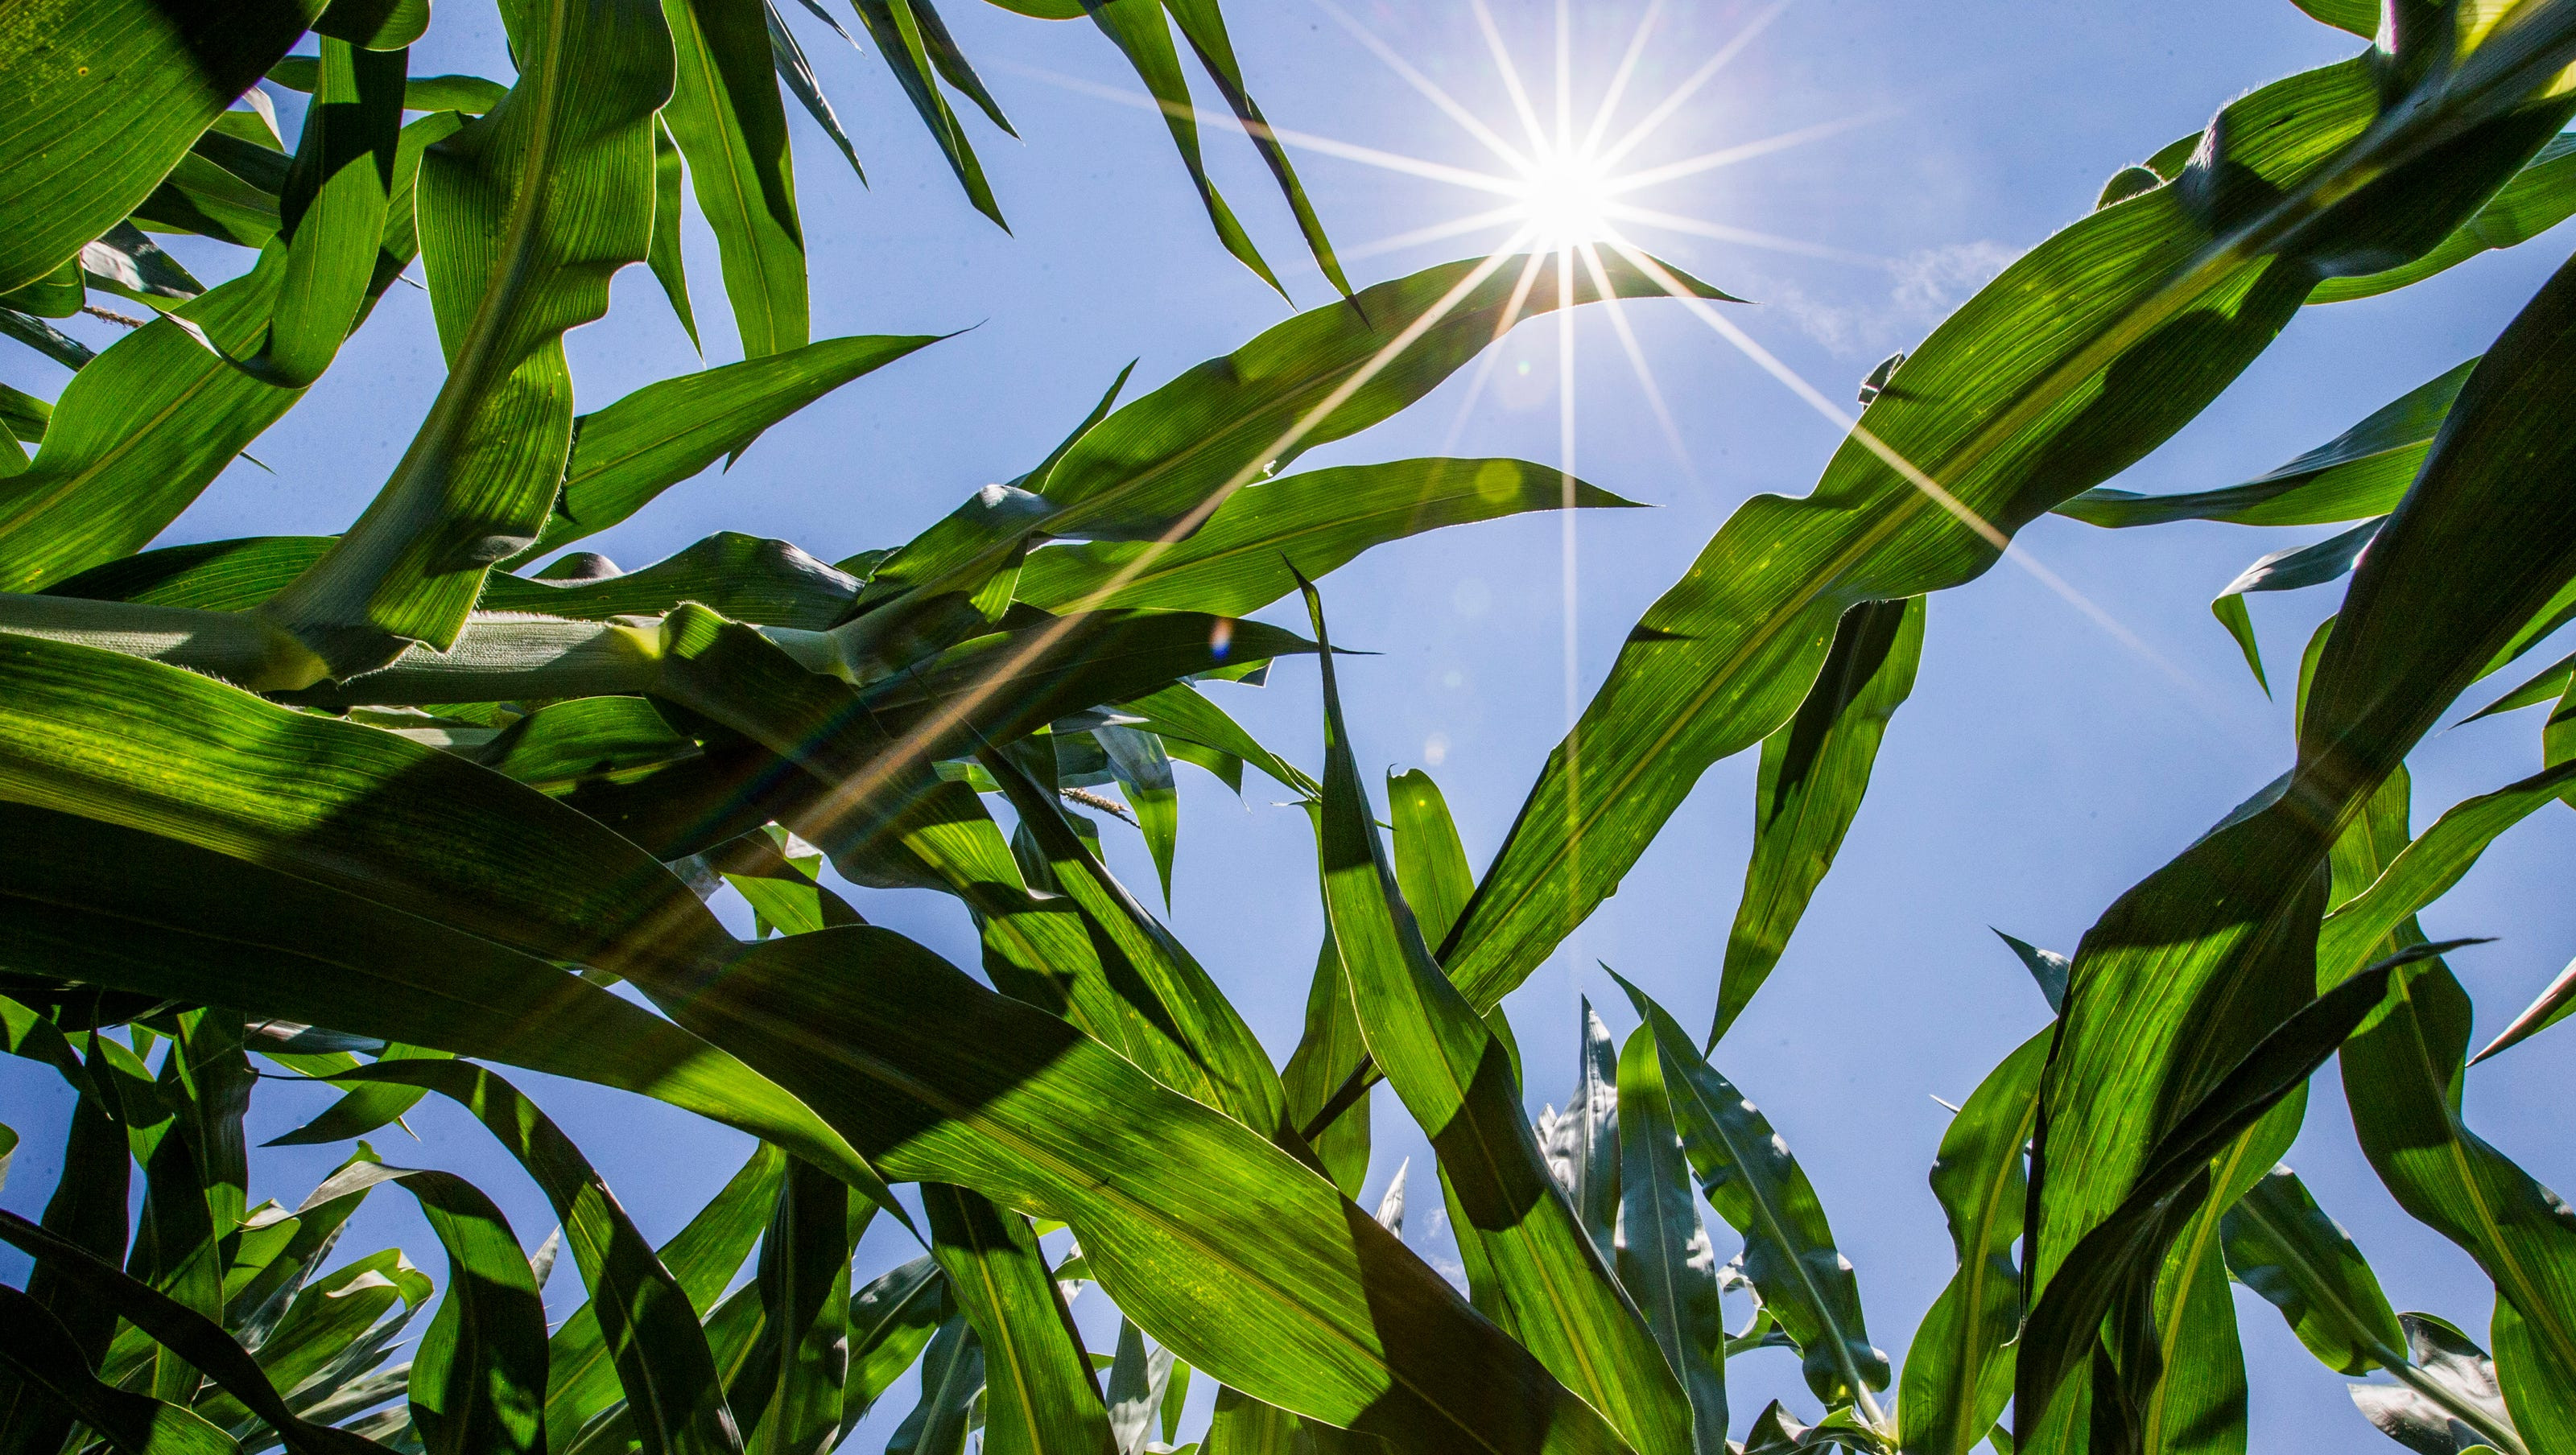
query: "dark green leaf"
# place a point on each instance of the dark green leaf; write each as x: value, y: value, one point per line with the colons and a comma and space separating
x: 1143, y: 35
x: 804, y: 1282
x: 898, y: 33
x: 1665, y: 1260
x: 726, y: 116
x: 109, y: 103
x: 2539, y: 197
x: 1039, y: 1395
x: 36, y: 1348
x: 1814, y: 771
x: 952, y: 1375
x: 2282, y: 1245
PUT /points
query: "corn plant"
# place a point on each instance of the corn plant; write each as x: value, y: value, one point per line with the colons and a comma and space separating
x: 398, y: 810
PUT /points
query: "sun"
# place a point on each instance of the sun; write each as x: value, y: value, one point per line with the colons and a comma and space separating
x: 1565, y: 199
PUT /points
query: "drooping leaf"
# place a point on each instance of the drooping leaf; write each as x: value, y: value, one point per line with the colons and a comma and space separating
x: 891, y: 1321
x: 2362, y: 472
x: 1814, y: 771
x: 899, y: 33
x: 2540, y: 196
x: 1142, y: 33
x: 1202, y: 23
x: 2291, y: 570
x: 952, y: 1376
x: 37, y: 1349
x: 332, y: 210
x: 2282, y: 1245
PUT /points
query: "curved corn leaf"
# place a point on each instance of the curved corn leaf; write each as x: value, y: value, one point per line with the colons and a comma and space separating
x: 1221, y: 1246
x: 1179, y: 714
x: 478, y: 1380
x: 364, y: 1108
x: 1144, y: 772
x: 1322, y: 375
x: 797, y: 74
x: 2540, y: 196
x: 2551, y: 1008
x: 1455, y: 1078
x: 103, y: 110
x: 1202, y: 23
x: 362, y: 965
x: 134, y: 441
x: 1814, y: 770
x: 1665, y: 1261
x: 525, y: 215
x: 2363, y: 471
x: 2328, y: 560
x: 1039, y: 1394
x: 2282, y: 1245
x: 1313, y: 1083
x: 644, y: 1317
x: 1139, y: 1380
x: 1251, y: 549
x: 2423, y: 871
x: 469, y: 95
x: 2192, y: 967
x: 1142, y: 32
x: 1958, y: 1371
x: 187, y: 1333
x: 2451, y: 1402
x: 2082, y: 356
x: 1747, y: 1174
x: 731, y: 126
x: 37, y: 1349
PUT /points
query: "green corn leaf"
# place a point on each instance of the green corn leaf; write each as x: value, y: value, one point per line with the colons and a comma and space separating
x: 1315, y: 523
x: 1139, y: 1380
x: 899, y: 34
x: 478, y: 1380
x: 560, y: 746
x: 646, y: 442
x: 1665, y: 1261
x: 59, y: 294
x: 581, y: 1379
x: 133, y: 442
x: 112, y: 101
x: 1591, y: 1160
x: 2551, y: 1008
x: 2451, y: 1402
x: 1750, y: 1178
x: 1221, y: 1246
x: 2284, y: 1247
x: 1177, y: 1025
x: 2540, y: 196
x: 2085, y: 354
x: 331, y: 1325
x: 333, y: 211
x: 1958, y: 1371
x: 24, y: 415
x: 1202, y: 23
x: 2424, y: 870
x: 1455, y: 1078
x: 645, y: 1318
x: 87, y: 1209
x: 199, y: 944
x: 1312, y: 1081
x: 2194, y: 966
x: 1142, y: 33
x: 527, y: 212
x: 891, y: 1323
x: 1814, y: 770
x: 189, y: 1334
x: 2403, y: 1074
x: 2362, y: 472
x: 727, y: 117
x: 952, y: 1375
x: 1243, y: 1425
x: 2328, y: 560
x: 1144, y: 773
x: 1039, y: 1395
x: 45, y: 339
x: 2126, y: 1249
x: 362, y: 1109
x: 37, y: 1349
x: 2361, y: 17
x: 1219, y: 426
x: 376, y: 24
x: 783, y: 892
x: 662, y: 255
x: 797, y: 74
x: 469, y: 95
x: 804, y: 1283
x: 1180, y: 714
x: 1430, y: 863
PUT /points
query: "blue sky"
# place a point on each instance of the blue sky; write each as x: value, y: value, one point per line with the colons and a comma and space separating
x: 2042, y: 766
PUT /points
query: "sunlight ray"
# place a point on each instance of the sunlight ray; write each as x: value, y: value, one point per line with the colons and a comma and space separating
x: 1564, y: 76
x: 1511, y: 75
x: 1433, y: 233
x: 1512, y: 156
x: 1741, y: 152
x: 1308, y: 141
x: 1568, y: 572
x: 1617, y: 309
x: 1913, y: 474
x: 1664, y: 110
x: 1619, y: 79
x: 1720, y: 232
x: 1493, y: 356
x: 859, y: 788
